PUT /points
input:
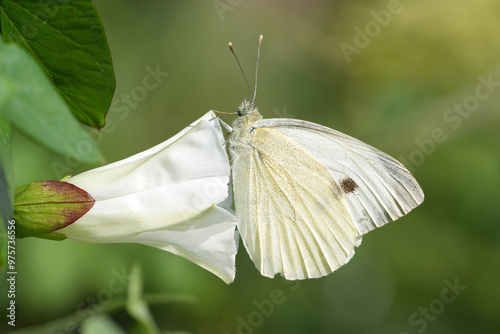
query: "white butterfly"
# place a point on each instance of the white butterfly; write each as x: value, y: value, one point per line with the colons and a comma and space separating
x: 305, y: 194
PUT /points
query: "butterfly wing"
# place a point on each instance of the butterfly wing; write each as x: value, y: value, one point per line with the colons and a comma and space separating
x: 377, y: 188
x: 292, y: 216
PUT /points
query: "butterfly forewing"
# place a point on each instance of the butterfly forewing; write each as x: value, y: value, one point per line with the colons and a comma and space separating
x: 377, y: 188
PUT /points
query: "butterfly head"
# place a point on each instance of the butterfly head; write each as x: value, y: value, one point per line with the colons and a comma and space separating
x: 246, y: 108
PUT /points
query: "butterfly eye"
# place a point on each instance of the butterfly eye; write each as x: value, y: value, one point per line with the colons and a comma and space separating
x: 244, y: 108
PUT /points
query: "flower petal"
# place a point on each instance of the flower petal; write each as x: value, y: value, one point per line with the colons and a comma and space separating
x: 166, y: 197
x: 195, y: 152
x: 203, y: 240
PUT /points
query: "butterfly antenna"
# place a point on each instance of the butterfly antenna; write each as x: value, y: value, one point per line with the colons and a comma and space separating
x: 257, y: 68
x: 241, y: 68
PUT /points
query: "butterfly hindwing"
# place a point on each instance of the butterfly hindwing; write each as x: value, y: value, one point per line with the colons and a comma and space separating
x: 292, y: 215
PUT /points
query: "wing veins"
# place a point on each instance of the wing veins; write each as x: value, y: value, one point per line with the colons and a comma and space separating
x: 325, y: 209
x: 262, y: 165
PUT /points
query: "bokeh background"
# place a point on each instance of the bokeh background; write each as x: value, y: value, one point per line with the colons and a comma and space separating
x: 394, y: 92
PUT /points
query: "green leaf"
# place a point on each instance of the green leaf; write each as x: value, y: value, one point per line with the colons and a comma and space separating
x: 6, y: 172
x: 35, y: 108
x: 67, y: 38
x: 137, y: 307
x: 47, y: 206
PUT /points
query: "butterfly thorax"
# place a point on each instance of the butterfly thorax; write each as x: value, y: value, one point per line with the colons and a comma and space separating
x: 242, y: 127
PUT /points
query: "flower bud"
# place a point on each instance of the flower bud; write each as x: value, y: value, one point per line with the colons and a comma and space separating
x: 47, y: 206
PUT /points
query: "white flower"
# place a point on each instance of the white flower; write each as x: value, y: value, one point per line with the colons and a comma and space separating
x: 173, y: 196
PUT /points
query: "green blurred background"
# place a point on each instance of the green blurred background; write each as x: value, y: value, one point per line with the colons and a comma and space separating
x: 393, y: 94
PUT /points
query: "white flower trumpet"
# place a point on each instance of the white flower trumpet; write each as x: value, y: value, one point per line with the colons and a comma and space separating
x: 173, y: 196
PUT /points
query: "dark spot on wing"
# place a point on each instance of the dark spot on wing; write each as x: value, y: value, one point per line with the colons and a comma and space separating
x: 348, y: 185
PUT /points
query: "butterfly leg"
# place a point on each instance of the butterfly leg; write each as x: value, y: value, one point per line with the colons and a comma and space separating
x: 224, y: 124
